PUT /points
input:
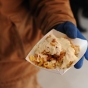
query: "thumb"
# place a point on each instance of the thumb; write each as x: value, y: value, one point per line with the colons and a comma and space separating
x: 70, y: 30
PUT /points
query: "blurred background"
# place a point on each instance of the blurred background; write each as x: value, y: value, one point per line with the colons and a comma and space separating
x: 73, y: 78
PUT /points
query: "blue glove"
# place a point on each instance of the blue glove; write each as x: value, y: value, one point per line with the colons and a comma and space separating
x: 71, y: 31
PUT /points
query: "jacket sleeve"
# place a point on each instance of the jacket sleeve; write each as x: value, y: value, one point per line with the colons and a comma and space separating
x: 48, y: 13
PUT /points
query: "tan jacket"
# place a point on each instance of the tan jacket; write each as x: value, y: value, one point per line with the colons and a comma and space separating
x: 22, y: 24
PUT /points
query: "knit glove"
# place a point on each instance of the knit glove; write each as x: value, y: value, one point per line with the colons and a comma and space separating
x: 71, y: 31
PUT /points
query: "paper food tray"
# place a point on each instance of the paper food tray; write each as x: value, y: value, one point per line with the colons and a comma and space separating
x: 77, y: 41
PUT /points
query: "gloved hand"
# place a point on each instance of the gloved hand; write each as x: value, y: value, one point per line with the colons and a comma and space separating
x: 71, y: 31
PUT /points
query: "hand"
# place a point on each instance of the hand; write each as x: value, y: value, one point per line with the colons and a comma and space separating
x: 71, y: 31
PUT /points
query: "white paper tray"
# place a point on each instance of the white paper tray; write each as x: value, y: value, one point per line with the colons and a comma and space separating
x: 82, y: 43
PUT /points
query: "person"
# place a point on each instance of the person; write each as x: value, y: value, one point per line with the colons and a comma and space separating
x: 22, y: 24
